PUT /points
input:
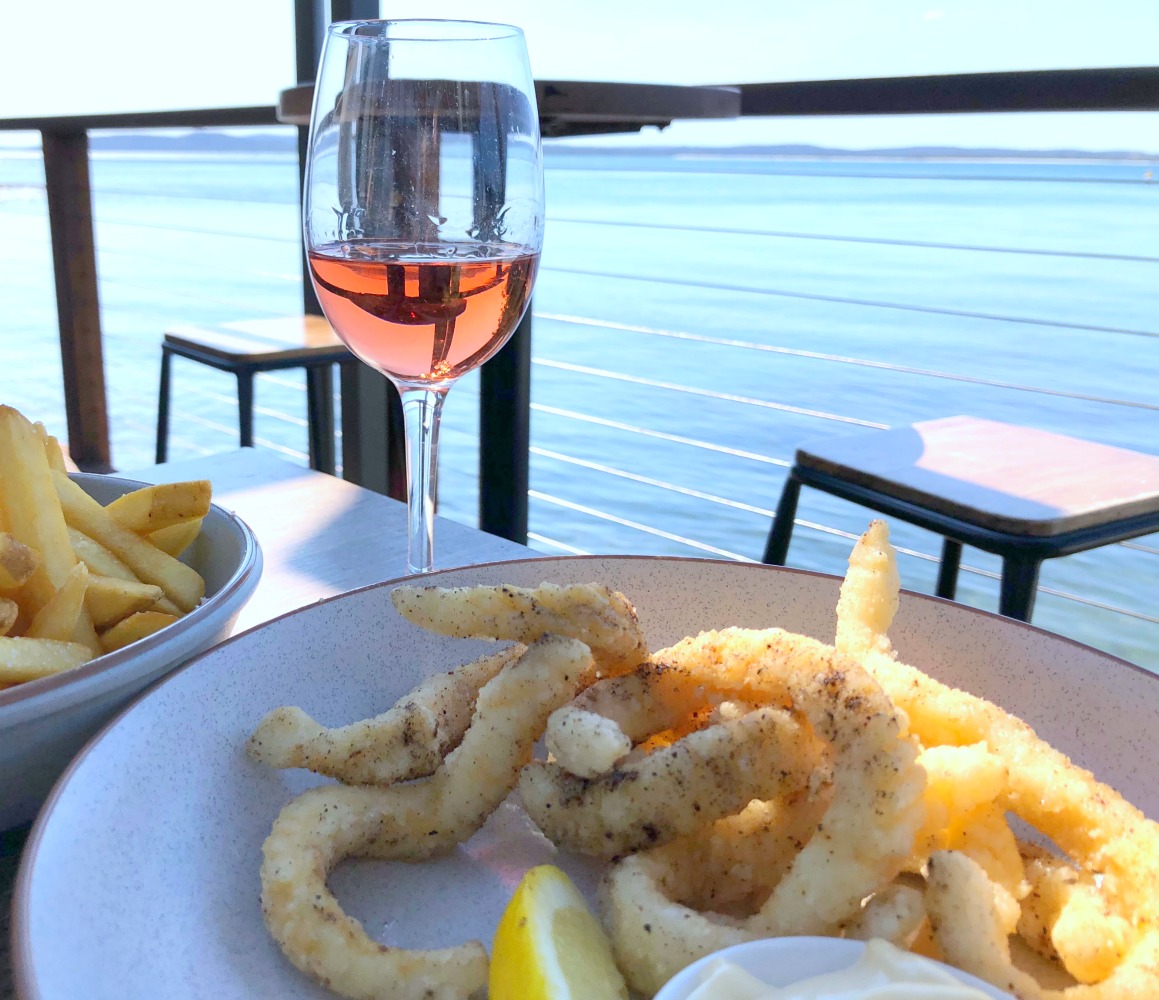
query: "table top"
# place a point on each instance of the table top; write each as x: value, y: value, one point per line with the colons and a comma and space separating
x: 320, y: 536
x: 1004, y: 477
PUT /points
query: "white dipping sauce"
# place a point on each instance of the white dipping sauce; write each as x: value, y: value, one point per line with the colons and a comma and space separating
x: 882, y: 972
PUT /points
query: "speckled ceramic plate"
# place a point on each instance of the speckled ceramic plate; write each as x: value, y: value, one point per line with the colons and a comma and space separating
x: 140, y: 879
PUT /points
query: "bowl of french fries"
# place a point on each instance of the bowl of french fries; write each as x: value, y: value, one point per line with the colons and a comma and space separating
x: 106, y: 584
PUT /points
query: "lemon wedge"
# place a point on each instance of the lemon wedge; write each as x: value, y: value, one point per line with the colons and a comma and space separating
x: 548, y: 946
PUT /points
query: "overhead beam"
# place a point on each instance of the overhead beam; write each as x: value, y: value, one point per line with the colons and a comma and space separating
x: 1121, y: 89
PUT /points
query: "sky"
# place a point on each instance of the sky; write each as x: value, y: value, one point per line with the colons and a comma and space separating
x: 134, y: 55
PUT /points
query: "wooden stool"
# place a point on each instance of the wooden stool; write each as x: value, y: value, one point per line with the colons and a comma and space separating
x: 251, y: 346
x: 1024, y: 494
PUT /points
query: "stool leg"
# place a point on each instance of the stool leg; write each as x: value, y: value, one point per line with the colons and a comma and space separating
x: 777, y: 547
x: 320, y: 417
x: 245, y: 407
x: 1019, y: 585
x: 948, y: 570
x: 163, y: 408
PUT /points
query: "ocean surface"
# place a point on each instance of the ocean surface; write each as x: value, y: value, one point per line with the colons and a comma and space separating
x: 699, y: 315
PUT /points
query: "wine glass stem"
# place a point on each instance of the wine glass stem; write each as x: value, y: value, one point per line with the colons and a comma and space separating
x: 421, y: 409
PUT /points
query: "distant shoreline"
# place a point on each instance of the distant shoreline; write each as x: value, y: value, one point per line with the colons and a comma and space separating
x: 217, y: 141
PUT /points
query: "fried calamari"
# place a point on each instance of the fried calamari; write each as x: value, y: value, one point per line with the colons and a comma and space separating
x: 408, y: 821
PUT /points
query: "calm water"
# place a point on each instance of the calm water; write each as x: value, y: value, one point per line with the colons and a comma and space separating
x: 699, y: 316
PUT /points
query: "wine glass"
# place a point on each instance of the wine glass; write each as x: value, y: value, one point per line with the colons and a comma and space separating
x: 423, y: 212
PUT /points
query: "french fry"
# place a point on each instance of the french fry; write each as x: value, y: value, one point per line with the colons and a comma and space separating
x: 9, y: 612
x: 177, y: 537
x: 97, y: 558
x: 24, y: 659
x: 52, y: 449
x: 153, y: 508
x: 66, y: 561
x: 17, y: 563
x: 182, y: 585
x: 28, y: 497
x: 167, y: 606
x: 110, y: 600
x: 35, y: 519
x: 135, y: 627
x: 58, y: 618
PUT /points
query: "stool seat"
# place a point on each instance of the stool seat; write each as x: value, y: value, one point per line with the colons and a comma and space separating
x: 1023, y: 493
x: 247, y: 347
x: 292, y: 340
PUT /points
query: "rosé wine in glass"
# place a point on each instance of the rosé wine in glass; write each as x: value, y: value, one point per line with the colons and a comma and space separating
x: 423, y: 212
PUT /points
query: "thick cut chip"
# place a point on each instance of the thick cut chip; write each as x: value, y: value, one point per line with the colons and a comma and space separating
x: 32, y: 511
x: 177, y: 537
x: 58, y: 618
x: 23, y: 659
x: 182, y: 585
x: 110, y: 600
x: 153, y: 508
x: 52, y: 449
x: 9, y: 612
x: 138, y: 626
x: 97, y: 558
x: 17, y: 563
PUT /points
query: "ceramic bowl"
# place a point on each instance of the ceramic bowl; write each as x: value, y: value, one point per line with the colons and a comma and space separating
x: 787, y: 960
x: 44, y: 723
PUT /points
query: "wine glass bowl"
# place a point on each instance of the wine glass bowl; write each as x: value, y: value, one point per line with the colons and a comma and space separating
x: 423, y: 211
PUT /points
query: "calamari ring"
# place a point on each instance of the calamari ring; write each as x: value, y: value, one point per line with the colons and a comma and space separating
x: 602, y: 619
x: 707, y: 774
x: 894, y: 914
x: 1065, y: 918
x: 970, y: 933
x: 1088, y: 820
x: 407, y: 741
x: 731, y: 866
x: 863, y: 842
x: 412, y: 821
x: 598, y: 730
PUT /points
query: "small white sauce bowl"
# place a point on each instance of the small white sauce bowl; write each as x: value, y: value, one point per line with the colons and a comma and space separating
x: 787, y: 960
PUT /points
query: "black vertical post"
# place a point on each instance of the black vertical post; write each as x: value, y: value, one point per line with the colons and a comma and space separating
x: 309, y: 30
x: 505, y: 436
x: 505, y: 382
x: 373, y: 450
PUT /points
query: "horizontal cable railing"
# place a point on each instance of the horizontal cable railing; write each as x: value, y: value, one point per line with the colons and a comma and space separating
x: 839, y: 359
x: 589, y: 428
x: 787, y: 293
x: 832, y: 238
x: 692, y: 390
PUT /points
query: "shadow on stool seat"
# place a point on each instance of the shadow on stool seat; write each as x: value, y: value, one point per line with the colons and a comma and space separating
x: 1023, y: 494
x: 247, y: 347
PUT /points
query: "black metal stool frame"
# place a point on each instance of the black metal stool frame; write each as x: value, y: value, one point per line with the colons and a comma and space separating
x: 319, y: 397
x: 1022, y: 555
